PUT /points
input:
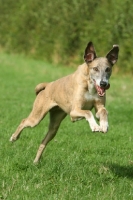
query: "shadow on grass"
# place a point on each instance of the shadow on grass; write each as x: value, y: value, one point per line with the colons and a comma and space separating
x: 121, y: 170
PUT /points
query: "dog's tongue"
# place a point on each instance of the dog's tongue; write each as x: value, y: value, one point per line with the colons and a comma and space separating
x: 101, y: 91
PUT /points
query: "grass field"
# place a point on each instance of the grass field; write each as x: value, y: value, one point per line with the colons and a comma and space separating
x: 77, y: 164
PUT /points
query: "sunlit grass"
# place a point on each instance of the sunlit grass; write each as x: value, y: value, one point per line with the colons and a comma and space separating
x: 77, y: 164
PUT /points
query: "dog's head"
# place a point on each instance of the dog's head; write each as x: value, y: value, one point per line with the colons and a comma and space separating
x: 100, y: 68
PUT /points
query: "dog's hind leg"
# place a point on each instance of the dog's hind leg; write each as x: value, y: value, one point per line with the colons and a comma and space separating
x: 38, y: 112
x: 56, y: 116
x: 28, y: 122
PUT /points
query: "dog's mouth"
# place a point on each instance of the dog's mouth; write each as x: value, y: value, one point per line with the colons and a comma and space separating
x: 101, y: 90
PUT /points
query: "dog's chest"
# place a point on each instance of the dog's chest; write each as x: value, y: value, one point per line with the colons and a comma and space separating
x: 91, y: 94
x: 90, y: 99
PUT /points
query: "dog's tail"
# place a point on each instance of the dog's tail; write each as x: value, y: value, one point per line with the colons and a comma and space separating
x: 40, y: 87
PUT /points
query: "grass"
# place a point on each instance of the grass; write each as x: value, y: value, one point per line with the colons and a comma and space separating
x: 77, y: 164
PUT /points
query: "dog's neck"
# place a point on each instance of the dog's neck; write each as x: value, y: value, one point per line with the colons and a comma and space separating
x: 84, y: 70
x: 91, y: 88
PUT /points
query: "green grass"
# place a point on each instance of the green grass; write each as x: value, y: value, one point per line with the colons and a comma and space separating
x: 77, y: 164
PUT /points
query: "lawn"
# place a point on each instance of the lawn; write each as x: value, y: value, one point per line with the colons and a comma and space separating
x: 77, y: 164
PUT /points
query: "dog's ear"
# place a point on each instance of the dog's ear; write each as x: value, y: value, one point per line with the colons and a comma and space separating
x: 90, y: 53
x: 112, y: 56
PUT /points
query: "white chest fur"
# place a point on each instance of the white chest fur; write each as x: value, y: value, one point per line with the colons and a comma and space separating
x: 91, y: 96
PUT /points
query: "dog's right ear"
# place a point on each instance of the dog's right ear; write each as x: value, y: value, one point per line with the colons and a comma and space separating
x: 90, y: 53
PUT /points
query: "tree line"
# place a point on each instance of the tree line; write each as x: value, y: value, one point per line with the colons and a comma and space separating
x: 58, y: 31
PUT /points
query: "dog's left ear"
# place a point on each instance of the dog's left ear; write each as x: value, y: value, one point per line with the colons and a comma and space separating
x: 90, y: 53
x: 112, y: 56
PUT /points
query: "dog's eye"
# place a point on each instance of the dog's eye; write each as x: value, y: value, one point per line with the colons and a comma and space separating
x: 107, y: 69
x: 95, y: 69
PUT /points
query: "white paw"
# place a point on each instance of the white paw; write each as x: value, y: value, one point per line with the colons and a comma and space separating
x: 94, y: 127
x: 104, y: 126
x: 12, y: 139
x: 35, y: 161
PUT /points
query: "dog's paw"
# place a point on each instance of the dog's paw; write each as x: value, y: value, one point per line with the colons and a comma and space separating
x: 104, y: 126
x: 36, y: 162
x: 95, y: 127
x: 12, y: 138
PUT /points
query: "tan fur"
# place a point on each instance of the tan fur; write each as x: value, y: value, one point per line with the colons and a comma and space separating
x: 74, y: 95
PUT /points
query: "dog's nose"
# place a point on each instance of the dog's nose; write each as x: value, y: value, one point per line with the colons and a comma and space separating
x: 103, y: 84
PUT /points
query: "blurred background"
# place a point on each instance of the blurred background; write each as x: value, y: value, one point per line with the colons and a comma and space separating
x: 58, y: 31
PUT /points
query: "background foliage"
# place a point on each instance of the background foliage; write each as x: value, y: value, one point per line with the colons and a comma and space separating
x: 59, y: 30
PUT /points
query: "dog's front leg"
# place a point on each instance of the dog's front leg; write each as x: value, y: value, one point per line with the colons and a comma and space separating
x: 102, y: 115
x: 78, y: 114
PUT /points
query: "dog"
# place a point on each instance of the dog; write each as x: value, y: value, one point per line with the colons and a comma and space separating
x: 76, y: 95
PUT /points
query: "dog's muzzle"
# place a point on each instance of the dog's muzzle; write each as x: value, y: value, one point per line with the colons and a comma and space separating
x: 101, y: 90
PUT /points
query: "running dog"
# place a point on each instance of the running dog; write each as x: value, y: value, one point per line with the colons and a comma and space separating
x: 75, y: 94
